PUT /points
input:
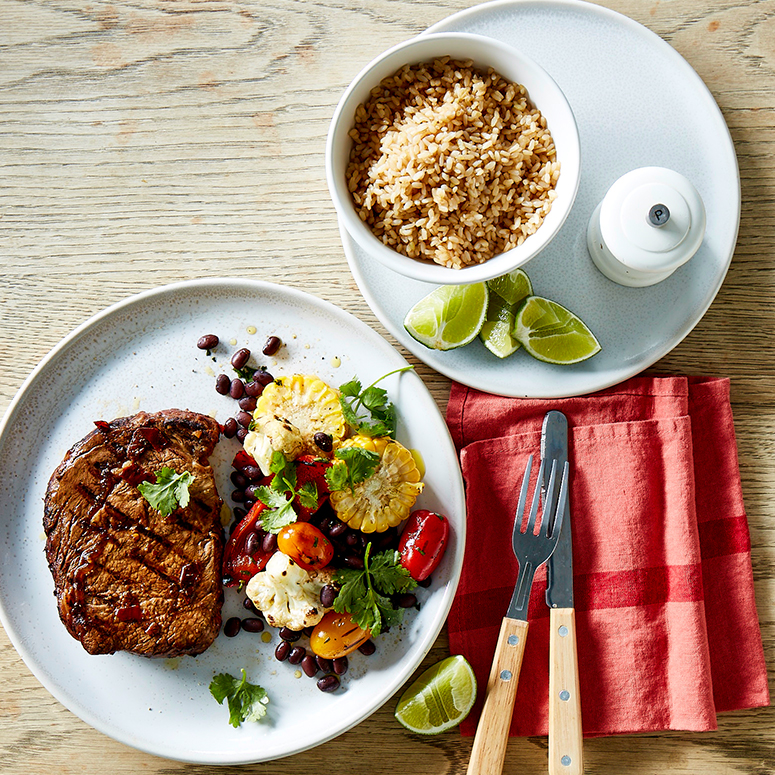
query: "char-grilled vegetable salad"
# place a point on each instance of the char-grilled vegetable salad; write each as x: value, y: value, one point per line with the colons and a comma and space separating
x: 325, y: 544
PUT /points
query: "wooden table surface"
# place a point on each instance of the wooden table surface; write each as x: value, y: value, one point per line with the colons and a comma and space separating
x: 151, y: 141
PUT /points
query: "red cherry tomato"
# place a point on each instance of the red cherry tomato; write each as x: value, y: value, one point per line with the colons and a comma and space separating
x: 305, y: 545
x: 238, y: 564
x: 336, y: 635
x: 423, y: 543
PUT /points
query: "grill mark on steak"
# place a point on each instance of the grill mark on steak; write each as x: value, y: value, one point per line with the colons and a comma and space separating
x: 126, y: 577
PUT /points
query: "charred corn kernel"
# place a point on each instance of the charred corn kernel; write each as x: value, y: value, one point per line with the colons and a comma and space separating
x: 384, y: 499
x: 308, y: 404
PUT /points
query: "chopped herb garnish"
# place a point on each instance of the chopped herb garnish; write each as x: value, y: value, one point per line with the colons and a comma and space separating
x: 369, y: 412
x: 357, y: 465
x: 246, y: 701
x: 169, y: 491
x: 364, y: 594
x: 280, y: 512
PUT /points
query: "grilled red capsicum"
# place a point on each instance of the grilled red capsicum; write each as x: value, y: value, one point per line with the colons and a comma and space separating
x: 423, y: 543
x: 240, y: 564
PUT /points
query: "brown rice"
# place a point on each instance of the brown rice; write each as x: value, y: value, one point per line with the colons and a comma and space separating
x: 451, y: 165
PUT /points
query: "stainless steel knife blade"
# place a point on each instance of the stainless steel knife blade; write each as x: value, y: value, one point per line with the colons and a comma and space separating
x: 559, y: 569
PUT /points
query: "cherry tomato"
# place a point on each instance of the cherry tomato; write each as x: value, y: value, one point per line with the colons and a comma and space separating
x: 238, y: 564
x: 423, y: 543
x: 305, y: 545
x: 337, y: 635
x: 311, y: 469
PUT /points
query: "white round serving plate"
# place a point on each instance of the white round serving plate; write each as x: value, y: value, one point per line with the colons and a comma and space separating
x: 637, y: 103
x: 141, y: 354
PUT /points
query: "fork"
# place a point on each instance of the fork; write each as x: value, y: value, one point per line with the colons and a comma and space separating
x: 531, y: 550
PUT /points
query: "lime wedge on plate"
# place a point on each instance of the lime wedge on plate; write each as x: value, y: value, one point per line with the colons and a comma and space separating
x: 448, y: 317
x: 496, y: 332
x: 512, y: 287
x: 552, y: 333
x: 440, y: 698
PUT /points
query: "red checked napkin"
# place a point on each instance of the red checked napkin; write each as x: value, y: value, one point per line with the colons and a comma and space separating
x: 667, y: 628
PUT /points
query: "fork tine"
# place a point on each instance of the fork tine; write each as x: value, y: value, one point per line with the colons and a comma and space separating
x: 531, y: 523
x: 549, y: 518
x: 523, y: 496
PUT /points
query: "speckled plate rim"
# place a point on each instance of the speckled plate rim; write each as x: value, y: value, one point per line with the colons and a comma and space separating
x: 556, y: 381
x: 452, y: 492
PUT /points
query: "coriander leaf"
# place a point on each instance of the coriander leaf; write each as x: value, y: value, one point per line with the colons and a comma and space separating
x: 279, y: 512
x: 308, y: 495
x: 246, y: 701
x: 388, y: 573
x: 270, y: 497
x: 169, y: 491
x: 357, y: 465
x: 374, y: 401
x: 284, y: 473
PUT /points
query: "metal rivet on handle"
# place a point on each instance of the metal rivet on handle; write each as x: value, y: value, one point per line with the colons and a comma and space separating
x: 563, y: 631
x: 505, y: 675
x: 564, y: 695
x: 565, y: 761
x: 513, y: 640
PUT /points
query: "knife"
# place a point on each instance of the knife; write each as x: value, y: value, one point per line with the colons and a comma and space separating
x: 565, y: 735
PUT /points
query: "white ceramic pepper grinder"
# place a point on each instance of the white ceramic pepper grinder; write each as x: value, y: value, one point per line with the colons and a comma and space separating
x: 651, y: 221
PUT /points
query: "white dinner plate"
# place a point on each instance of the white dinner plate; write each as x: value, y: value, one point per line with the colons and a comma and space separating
x: 637, y: 103
x: 141, y: 354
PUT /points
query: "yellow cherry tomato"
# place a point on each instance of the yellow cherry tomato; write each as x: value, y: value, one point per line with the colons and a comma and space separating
x: 336, y: 636
x: 306, y: 545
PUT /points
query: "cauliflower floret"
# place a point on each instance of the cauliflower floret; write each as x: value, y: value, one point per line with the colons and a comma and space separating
x: 288, y: 595
x: 273, y: 433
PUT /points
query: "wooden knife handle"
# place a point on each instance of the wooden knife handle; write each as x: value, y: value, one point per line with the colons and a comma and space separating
x: 492, y: 732
x: 566, y: 755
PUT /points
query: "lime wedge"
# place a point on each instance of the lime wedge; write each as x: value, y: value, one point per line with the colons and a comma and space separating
x: 496, y: 332
x: 512, y: 287
x: 552, y: 333
x: 440, y: 698
x: 448, y: 317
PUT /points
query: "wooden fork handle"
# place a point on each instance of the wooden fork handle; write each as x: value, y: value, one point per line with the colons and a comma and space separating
x: 492, y: 732
x: 565, y: 738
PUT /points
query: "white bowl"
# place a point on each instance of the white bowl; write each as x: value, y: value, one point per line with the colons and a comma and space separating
x: 485, y: 52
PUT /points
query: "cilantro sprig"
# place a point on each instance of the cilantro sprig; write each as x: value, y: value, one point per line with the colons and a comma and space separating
x: 280, y: 512
x: 369, y: 411
x: 246, y: 701
x: 364, y: 594
x: 169, y: 491
x: 357, y: 465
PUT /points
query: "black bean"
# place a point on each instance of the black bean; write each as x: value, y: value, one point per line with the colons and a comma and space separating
x: 249, y: 502
x: 308, y: 631
x: 425, y: 582
x: 297, y: 654
x: 353, y: 561
x: 324, y: 524
x: 232, y: 627
x: 367, y: 648
x: 407, y: 600
x: 238, y: 513
x: 241, y: 433
x: 324, y: 664
x: 244, y: 419
x: 238, y: 479
x: 254, y: 389
x: 309, y: 666
x: 351, y: 539
x: 222, y: 383
x: 247, y: 403
x: 270, y: 543
x: 286, y: 633
x: 340, y: 665
x: 253, y: 473
x: 272, y: 345
x: 230, y: 428
x: 329, y: 683
x: 240, y: 358
x: 252, y: 624
x: 323, y: 441
x: 252, y: 491
x: 282, y: 650
x: 248, y: 604
x: 252, y: 543
x: 207, y: 342
x: 236, y: 388
x: 328, y: 595
x: 337, y: 528
x: 238, y: 496
x: 263, y: 377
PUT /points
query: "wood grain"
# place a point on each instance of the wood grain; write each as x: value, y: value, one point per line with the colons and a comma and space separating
x: 149, y: 141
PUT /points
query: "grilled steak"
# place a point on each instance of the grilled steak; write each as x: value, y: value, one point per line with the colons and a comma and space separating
x: 128, y: 578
